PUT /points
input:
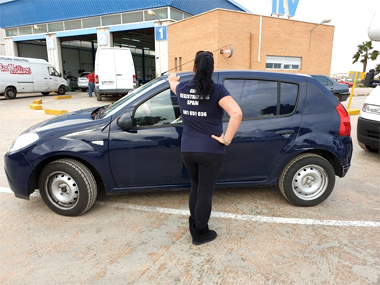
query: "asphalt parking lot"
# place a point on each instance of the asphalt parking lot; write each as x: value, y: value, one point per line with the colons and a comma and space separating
x: 143, y: 238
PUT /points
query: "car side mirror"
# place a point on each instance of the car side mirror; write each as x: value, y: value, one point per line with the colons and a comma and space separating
x: 125, y: 122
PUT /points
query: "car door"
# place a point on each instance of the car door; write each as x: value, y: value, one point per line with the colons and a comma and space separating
x: 54, y: 79
x: 271, y: 121
x: 150, y: 153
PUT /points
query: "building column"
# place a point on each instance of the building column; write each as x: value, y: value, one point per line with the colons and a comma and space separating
x: 53, y: 45
x: 10, y: 47
x: 161, y: 46
x: 104, y: 37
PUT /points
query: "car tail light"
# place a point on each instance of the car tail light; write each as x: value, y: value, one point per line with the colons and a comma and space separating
x: 96, y: 79
x: 134, y: 79
x: 345, y: 123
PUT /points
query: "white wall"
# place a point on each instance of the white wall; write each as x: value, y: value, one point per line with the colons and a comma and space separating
x: 2, y: 43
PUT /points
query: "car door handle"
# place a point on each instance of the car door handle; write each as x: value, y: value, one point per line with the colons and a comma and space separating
x: 119, y: 74
x: 285, y: 133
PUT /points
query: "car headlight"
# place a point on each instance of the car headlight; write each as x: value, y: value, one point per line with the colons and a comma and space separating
x: 369, y: 108
x: 23, y: 141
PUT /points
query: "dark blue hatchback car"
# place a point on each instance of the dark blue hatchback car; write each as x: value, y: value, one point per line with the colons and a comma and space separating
x: 294, y: 133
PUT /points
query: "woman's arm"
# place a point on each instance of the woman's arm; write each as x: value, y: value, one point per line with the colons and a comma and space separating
x: 173, y: 82
x: 233, y: 110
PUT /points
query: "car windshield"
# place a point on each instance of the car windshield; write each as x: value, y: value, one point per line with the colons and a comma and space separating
x: 118, y: 105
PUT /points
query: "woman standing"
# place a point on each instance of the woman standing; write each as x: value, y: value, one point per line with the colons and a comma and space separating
x: 203, y: 142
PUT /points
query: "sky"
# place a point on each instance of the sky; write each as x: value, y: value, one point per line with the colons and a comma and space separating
x: 351, y: 19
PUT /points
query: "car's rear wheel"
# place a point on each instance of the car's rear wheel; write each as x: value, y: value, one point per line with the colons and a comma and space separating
x: 67, y: 187
x: 98, y: 96
x: 338, y: 96
x: 84, y: 89
x: 369, y: 148
x: 10, y: 93
x: 307, y: 180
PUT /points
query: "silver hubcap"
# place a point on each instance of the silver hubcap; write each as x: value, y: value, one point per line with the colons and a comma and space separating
x: 63, y: 190
x: 310, y: 182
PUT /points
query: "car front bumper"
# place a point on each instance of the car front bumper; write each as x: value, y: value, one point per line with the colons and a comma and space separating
x: 368, y: 132
x: 19, y: 171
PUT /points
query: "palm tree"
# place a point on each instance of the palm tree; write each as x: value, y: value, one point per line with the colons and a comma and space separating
x: 364, y: 52
x: 377, y: 69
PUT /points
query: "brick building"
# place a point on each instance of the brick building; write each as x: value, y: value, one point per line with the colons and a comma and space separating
x: 286, y: 45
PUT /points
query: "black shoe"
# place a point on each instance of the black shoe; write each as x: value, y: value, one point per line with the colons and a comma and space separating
x: 202, y: 236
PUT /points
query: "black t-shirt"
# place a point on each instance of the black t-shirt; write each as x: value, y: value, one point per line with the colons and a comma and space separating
x: 201, y: 118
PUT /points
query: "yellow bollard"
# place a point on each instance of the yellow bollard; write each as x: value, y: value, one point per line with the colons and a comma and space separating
x: 352, y: 111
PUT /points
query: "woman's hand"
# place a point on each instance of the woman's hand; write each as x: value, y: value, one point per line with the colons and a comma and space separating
x: 173, y: 82
x: 221, y: 139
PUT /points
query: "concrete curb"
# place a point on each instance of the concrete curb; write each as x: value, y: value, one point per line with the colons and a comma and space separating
x: 62, y: 97
x: 55, y: 112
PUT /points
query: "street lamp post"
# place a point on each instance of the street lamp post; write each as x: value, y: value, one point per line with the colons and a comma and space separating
x: 39, y: 28
x: 323, y: 22
x: 151, y: 13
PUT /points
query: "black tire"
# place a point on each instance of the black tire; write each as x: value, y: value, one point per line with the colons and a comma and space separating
x: 98, y: 96
x: 307, y: 180
x: 45, y: 93
x: 61, y: 90
x: 369, y: 148
x: 84, y: 89
x: 10, y: 93
x: 68, y: 187
x: 338, y: 96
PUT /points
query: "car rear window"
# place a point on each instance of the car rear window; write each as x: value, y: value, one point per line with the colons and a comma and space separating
x: 260, y: 98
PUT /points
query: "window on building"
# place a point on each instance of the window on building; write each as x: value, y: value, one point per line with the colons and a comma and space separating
x: 132, y: 17
x: 42, y: 29
x: 91, y: 22
x: 259, y: 98
x: 161, y: 14
x: 11, y: 32
x: 176, y: 15
x: 55, y: 27
x: 25, y: 31
x: 111, y: 20
x: 283, y: 62
x: 73, y: 25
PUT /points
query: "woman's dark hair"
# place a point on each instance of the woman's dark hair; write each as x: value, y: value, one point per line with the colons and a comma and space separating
x: 204, y: 66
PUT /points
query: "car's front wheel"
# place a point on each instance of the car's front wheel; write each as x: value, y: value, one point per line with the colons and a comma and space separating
x: 307, y: 180
x: 67, y: 187
x: 61, y: 90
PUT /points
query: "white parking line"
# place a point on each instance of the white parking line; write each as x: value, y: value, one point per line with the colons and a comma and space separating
x: 254, y: 218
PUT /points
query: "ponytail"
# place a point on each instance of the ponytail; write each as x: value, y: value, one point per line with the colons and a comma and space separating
x: 204, y: 65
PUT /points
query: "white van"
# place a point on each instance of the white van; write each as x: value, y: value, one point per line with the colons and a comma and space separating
x: 21, y: 74
x: 114, y: 72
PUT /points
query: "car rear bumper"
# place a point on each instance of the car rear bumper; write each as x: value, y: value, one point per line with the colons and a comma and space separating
x: 344, y: 96
x: 18, y: 171
x: 368, y: 132
x: 112, y: 91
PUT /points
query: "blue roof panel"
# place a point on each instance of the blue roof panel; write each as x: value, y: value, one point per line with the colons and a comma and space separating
x: 29, y: 12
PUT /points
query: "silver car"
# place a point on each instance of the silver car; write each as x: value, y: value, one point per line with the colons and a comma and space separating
x: 83, y: 81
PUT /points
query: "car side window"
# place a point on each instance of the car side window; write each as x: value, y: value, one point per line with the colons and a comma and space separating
x: 260, y: 98
x: 162, y: 109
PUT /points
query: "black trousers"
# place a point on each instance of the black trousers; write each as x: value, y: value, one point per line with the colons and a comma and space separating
x: 203, y: 169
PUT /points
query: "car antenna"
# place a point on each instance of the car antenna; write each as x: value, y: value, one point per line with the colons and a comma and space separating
x: 193, y: 59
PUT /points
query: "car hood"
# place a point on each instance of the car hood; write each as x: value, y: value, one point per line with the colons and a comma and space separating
x: 68, y: 120
x: 374, y: 97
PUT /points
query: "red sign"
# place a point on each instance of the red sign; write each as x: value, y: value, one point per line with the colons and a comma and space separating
x: 15, y: 69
